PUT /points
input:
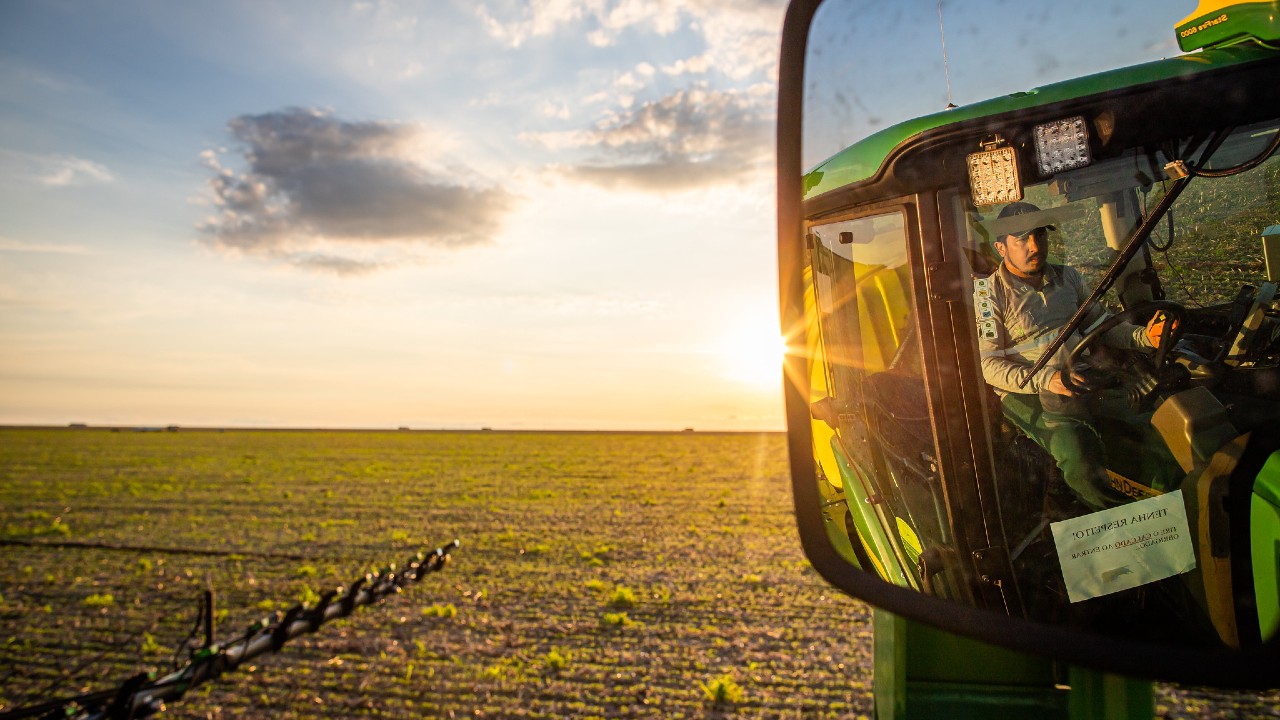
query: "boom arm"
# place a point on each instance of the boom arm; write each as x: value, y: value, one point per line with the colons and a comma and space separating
x: 140, y: 696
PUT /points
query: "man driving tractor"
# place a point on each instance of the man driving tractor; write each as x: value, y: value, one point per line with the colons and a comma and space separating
x: 1031, y: 299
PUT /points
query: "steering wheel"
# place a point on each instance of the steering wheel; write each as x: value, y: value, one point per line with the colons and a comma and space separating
x: 1145, y: 373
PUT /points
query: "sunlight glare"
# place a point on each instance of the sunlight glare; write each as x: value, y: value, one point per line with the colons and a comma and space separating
x: 753, y: 354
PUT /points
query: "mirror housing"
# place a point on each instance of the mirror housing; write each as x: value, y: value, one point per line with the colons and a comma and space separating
x: 1252, y: 667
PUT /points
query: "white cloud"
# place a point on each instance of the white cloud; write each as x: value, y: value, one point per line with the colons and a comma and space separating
x: 557, y: 141
x: 334, y: 264
x: 741, y: 38
x: 628, y: 83
x: 599, y: 38
x: 660, y: 16
x: 55, y: 171
x: 380, y: 44
x: 532, y: 19
x: 689, y: 138
x: 697, y: 65
x: 559, y: 111
x: 515, y: 22
x: 66, y: 171
x: 687, y: 144
x: 411, y: 70
x: 318, y: 191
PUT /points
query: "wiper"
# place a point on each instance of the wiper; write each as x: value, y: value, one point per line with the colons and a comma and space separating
x: 1131, y: 248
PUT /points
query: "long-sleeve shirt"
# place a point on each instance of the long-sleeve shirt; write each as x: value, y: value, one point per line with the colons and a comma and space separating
x: 1017, y: 322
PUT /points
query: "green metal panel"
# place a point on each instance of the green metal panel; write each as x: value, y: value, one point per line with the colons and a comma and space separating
x: 880, y: 544
x: 1098, y: 695
x: 1264, y: 527
x: 863, y: 159
x: 922, y: 673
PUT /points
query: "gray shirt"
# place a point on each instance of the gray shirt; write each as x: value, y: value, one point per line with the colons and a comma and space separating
x: 1017, y: 322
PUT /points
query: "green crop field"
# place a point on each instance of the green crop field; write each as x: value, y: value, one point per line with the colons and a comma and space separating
x: 600, y: 575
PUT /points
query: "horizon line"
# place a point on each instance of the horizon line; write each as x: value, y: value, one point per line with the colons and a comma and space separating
x: 403, y: 429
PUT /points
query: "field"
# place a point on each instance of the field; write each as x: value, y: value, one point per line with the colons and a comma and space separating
x: 609, y: 575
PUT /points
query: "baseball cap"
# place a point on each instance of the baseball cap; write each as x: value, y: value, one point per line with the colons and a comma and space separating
x: 1021, y: 208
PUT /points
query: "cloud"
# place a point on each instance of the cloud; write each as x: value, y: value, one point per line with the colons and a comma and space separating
x: 382, y: 44
x: 314, y: 181
x: 741, y: 36
x: 334, y: 264
x: 742, y: 39
x: 66, y: 171
x: 555, y: 110
x: 654, y: 137
x: 698, y: 65
x: 56, y: 171
x: 689, y: 138
x: 514, y: 23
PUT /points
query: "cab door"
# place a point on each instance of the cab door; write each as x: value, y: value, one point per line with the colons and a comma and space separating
x: 883, y: 417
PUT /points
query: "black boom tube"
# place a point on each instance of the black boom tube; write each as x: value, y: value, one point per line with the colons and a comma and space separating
x: 140, y: 697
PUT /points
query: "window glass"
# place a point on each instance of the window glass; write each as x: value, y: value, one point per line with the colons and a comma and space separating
x: 873, y: 439
x: 1134, y: 423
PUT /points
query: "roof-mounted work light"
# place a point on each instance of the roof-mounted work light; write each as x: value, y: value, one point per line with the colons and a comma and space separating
x: 1062, y: 145
x: 993, y: 174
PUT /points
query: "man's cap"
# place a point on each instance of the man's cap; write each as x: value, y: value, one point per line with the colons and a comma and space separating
x: 1020, y: 208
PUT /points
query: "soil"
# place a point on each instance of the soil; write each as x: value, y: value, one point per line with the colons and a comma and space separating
x: 599, y: 575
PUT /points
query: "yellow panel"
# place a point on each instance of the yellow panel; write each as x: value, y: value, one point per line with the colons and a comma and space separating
x: 1212, y: 6
x: 883, y: 314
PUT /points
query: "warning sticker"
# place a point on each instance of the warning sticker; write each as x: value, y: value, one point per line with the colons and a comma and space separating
x: 1124, y: 547
x: 984, y: 308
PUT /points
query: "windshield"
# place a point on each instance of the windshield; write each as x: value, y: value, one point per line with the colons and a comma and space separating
x: 1115, y: 444
x: 1091, y: 211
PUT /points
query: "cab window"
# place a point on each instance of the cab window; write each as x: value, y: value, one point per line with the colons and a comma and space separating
x: 872, y: 432
x: 1142, y: 402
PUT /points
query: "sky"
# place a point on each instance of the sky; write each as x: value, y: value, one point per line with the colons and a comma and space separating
x: 873, y: 64
x: 446, y: 214
x: 534, y: 215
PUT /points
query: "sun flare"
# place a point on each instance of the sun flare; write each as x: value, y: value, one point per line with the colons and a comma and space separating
x: 753, y: 354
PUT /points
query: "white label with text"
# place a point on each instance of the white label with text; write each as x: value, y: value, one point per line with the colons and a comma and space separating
x: 1124, y: 547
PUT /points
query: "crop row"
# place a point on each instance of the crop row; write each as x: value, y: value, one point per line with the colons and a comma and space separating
x: 599, y: 575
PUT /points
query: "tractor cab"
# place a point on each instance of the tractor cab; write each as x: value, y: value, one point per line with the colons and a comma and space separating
x: 1086, y: 434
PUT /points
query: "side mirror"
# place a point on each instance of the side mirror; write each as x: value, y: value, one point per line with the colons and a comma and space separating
x: 931, y: 477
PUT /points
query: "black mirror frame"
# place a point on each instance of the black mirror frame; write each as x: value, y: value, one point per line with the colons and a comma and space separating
x: 1250, y: 669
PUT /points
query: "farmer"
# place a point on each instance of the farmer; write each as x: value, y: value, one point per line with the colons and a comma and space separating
x: 1032, y: 300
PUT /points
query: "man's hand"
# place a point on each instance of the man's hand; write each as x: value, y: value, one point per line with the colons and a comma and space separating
x: 1057, y: 387
x: 1155, y: 327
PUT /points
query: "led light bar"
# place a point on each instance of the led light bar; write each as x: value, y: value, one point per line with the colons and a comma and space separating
x: 993, y: 177
x: 1062, y: 145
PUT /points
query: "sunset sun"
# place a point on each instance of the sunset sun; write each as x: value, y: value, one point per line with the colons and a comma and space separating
x: 752, y: 354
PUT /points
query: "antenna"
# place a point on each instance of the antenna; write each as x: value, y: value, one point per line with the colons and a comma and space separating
x: 945, y: 65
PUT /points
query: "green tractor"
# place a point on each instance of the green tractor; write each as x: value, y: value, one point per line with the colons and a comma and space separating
x: 1035, y: 368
